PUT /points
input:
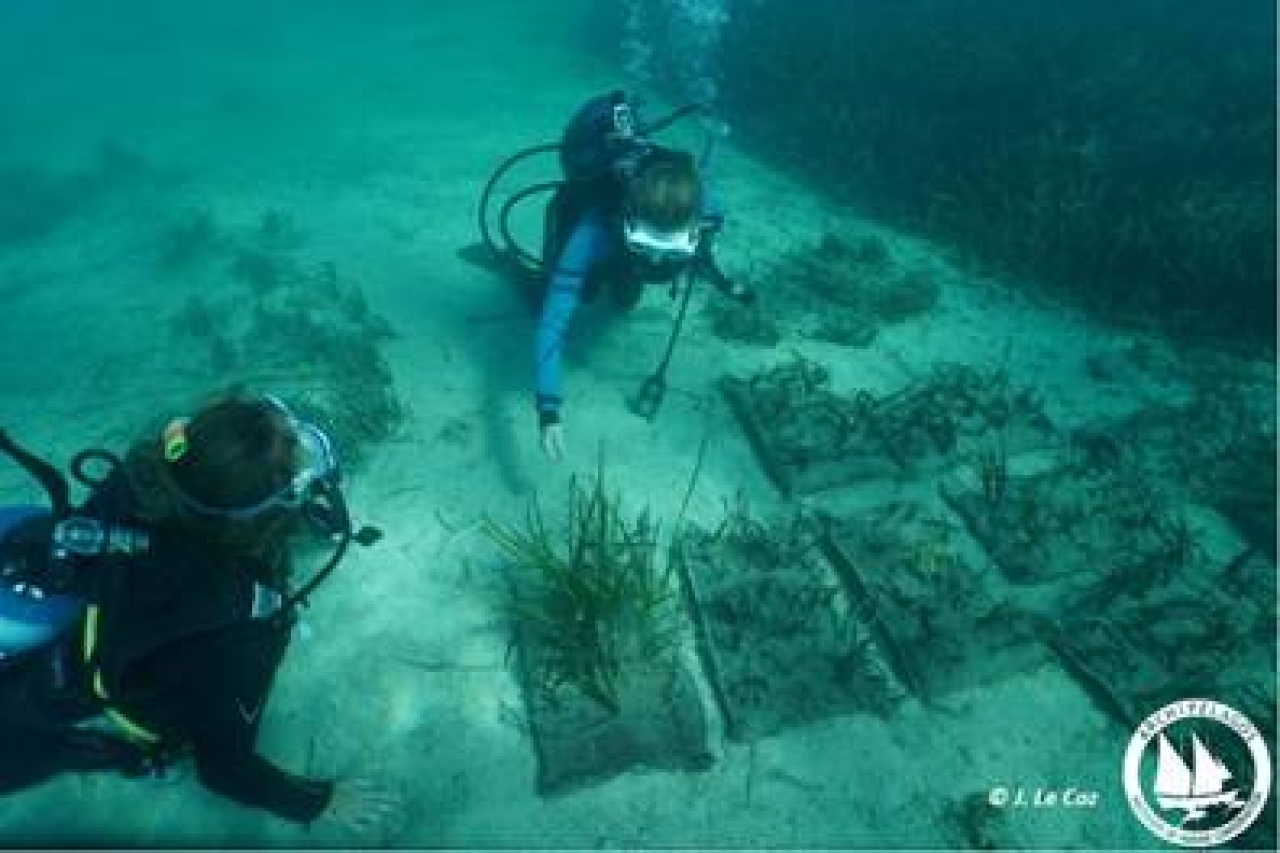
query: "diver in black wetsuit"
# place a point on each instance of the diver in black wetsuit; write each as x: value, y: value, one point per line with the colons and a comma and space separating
x: 179, y: 641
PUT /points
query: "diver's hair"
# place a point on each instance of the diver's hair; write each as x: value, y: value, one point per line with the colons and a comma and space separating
x: 240, y: 451
x: 666, y: 192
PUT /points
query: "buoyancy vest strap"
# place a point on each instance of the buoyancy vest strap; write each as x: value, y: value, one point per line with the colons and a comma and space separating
x: 135, y: 732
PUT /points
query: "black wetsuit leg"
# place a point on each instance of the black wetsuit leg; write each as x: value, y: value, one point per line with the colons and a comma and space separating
x: 42, y: 698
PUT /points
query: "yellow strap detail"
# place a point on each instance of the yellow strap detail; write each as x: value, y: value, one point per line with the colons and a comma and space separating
x: 134, y: 732
x: 90, y: 633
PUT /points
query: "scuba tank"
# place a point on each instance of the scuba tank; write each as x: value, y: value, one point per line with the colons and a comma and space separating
x: 30, y: 616
x: 603, y: 141
x: 43, y: 555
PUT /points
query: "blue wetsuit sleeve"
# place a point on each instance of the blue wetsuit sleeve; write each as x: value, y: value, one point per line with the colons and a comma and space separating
x: 713, y: 214
x: 713, y: 209
x: 587, y: 245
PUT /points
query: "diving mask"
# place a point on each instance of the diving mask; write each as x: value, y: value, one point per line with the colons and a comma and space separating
x: 658, y: 246
x: 318, y: 473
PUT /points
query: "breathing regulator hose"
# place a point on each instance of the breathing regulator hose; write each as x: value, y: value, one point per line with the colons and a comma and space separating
x: 509, y: 248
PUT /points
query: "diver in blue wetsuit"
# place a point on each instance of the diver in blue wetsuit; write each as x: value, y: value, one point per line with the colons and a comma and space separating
x: 629, y: 213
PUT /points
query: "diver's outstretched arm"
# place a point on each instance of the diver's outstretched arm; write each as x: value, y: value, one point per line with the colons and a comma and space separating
x: 707, y: 266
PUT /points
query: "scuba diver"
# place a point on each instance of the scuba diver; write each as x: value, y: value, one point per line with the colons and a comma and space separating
x: 147, y: 624
x: 627, y: 213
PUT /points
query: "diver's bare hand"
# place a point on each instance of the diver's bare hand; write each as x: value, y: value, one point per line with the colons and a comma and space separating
x: 553, y: 441
x: 364, y: 807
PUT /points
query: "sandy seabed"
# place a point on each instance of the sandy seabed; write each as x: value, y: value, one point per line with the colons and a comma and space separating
x: 374, y: 133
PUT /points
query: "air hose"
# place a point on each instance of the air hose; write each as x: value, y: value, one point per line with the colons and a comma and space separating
x: 510, y: 249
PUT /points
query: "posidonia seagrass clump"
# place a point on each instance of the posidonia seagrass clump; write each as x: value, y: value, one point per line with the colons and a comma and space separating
x: 591, y: 601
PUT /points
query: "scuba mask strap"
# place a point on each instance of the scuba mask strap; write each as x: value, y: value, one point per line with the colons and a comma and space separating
x: 321, y: 463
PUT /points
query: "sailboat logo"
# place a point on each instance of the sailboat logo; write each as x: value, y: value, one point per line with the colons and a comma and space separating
x: 1196, y: 799
x: 1195, y: 789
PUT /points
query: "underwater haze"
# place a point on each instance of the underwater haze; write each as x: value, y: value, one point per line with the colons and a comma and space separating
x: 899, y: 551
